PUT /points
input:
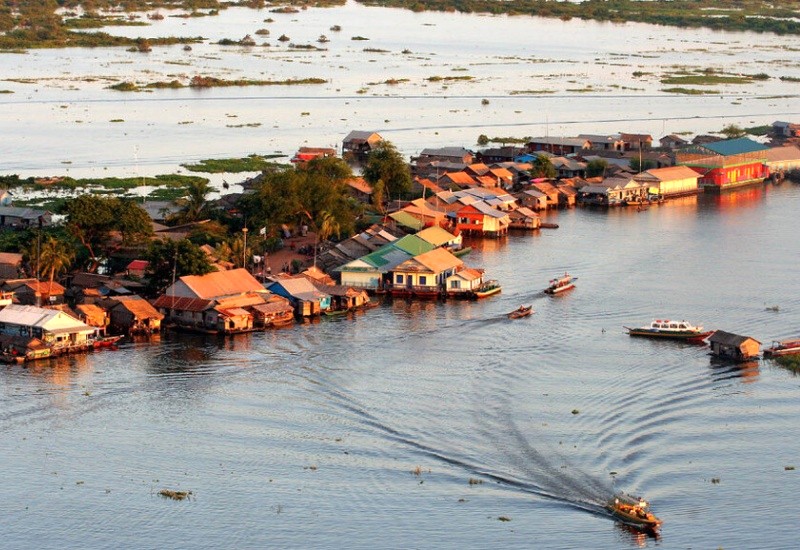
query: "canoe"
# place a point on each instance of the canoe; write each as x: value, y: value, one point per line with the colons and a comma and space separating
x: 785, y: 347
x: 487, y: 289
x: 520, y: 312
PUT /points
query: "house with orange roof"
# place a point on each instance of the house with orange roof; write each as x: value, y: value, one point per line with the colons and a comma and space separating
x: 464, y: 282
x: 424, y: 275
x: 33, y: 292
x: 360, y: 189
x: 306, y: 154
x: 481, y: 219
x: 133, y: 315
x: 502, y: 176
x: 477, y: 169
x: 456, y: 180
x: 215, y: 302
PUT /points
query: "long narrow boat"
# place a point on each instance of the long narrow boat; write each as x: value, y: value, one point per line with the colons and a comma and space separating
x: 487, y: 289
x: 785, y: 347
x: 675, y: 330
x: 560, y: 284
x: 633, y: 511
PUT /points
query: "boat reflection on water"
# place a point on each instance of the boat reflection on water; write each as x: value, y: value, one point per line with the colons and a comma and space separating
x: 747, y: 371
x: 629, y: 535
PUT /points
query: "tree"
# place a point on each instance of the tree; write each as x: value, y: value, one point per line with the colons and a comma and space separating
x: 641, y: 166
x: 596, y: 167
x: 542, y: 168
x: 386, y: 164
x: 379, y: 196
x: 55, y: 256
x: 92, y: 219
x: 169, y: 260
x: 193, y: 205
x: 732, y: 131
x: 483, y: 140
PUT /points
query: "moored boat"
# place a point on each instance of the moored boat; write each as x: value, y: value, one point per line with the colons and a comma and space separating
x: 487, y: 289
x: 105, y: 341
x: 520, y: 312
x: 676, y: 330
x: 785, y: 347
x: 560, y: 284
x: 633, y: 511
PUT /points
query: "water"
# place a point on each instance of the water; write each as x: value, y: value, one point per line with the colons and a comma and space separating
x: 365, y: 431
x: 62, y: 119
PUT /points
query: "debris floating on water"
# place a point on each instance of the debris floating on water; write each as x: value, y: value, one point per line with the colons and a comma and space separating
x: 175, y: 495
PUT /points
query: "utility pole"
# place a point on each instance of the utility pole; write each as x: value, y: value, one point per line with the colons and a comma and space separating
x: 244, y: 249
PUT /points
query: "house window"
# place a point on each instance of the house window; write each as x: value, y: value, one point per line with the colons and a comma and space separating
x: 398, y: 279
x: 455, y: 283
x: 423, y: 280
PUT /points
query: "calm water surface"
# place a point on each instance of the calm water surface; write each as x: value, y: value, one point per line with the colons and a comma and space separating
x: 365, y: 432
x: 540, y: 76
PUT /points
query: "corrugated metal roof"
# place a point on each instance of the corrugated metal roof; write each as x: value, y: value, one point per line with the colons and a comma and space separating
x: 406, y: 219
x: 32, y: 316
x: 736, y: 146
x: 139, y: 307
x: 182, y: 304
x: 412, y: 244
x: 671, y: 173
x: 300, y: 288
x: 436, y: 235
x: 729, y: 339
x: 778, y: 154
x: 222, y: 283
x: 438, y: 260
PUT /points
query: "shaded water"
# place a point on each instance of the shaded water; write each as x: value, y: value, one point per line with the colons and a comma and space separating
x: 366, y: 431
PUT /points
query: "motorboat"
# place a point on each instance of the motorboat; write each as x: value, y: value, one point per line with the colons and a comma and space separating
x: 560, y: 284
x: 677, y: 330
x: 785, y: 347
x: 633, y: 511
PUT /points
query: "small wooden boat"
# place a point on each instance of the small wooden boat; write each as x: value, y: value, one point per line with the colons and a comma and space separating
x: 487, y: 289
x: 675, y: 330
x: 105, y: 341
x: 633, y: 511
x: 560, y: 284
x: 520, y: 312
x: 785, y: 347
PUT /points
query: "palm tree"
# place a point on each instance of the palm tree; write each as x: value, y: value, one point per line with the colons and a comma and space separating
x: 194, y: 203
x: 55, y: 256
x: 328, y: 226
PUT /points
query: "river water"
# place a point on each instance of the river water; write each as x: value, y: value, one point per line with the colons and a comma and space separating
x: 62, y: 119
x: 422, y: 424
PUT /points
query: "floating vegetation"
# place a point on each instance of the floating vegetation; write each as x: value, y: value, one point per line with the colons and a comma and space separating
x: 689, y: 91
x: 252, y: 163
x: 503, y: 518
x: 715, y: 480
x: 358, y: 38
x: 248, y: 125
x: 336, y: 28
x: 117, y: 120
x: 531, y: 92
x: 375, y: 50
x: 790, y: 79
x: 788, y: 468
x: 449, y: 78
x: 175, y: 495
x: 789, y: 362
x: 474, y: 481
x: 6, y: 91
x: 707, y: 79
x: 212, y: 82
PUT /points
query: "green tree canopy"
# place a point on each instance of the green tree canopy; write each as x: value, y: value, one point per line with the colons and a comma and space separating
x: 596, y: 167
x: 641, y: 166
x: 170, y: 259
x: 732, y: 131
x: 91, y: 219
x: 386, y: 164
x: 542, y: 168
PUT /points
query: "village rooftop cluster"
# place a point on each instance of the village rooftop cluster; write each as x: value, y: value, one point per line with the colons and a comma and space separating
x: 412, y: 250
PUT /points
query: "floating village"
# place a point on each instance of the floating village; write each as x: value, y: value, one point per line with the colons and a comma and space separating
x: 414, y: 250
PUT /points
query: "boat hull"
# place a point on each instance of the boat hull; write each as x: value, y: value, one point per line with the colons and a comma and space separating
x: 486, y: 293
x: 560, y: 289
x: 520, y: 313
x: 783, y: 348
x: 689, y: 336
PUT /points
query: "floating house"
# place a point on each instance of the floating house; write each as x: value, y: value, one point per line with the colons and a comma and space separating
x: 19, y: 217
x: 482, y: 219
x: 524, y: 218
x: 726, y: 345
x: 439, y: 237
x: 307, y: 300
x: 56, y: 330
x: 558, y: 146
x: 10, y: 265
x: 726, y: 164
x: 425, y: 275
x: 464, y: 282
x: 133, y: 315
x: 673, y: 181
x: 359, y: 144
x: 372, y: 271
